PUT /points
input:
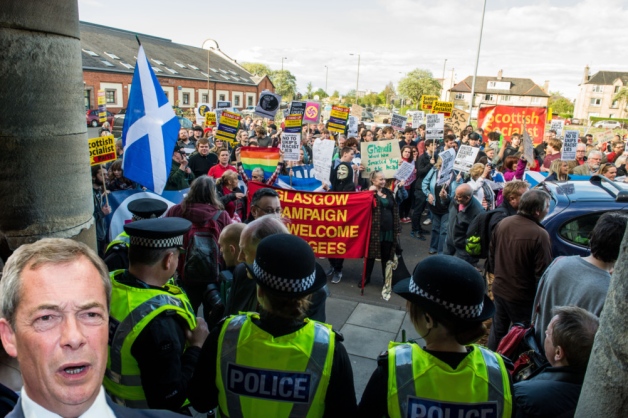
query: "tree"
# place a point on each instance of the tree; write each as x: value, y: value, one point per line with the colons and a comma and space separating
x: 622, y: 97
x: 309, y: 93
x: 335, y: 94
x: 285, y: 84
x: 321, y: 93
x: 418, y: 83
x: 388, y: 92
x: 604, y: 388
x: 257, y: 69
x: 559, y: 103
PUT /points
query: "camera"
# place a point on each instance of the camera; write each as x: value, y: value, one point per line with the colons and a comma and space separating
x: 213, y: 307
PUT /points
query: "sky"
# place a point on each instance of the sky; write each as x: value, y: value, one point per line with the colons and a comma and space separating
x: 544, y: 40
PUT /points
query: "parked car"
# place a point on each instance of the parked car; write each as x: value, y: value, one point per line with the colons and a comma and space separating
x: 573, y: 121
x: 92, y: 118
x: 606, y: 124
x: 575, y: 207
x: 367, y: 116
x: 381, y: 111
x: 118, y: 124
x: 248, y: 111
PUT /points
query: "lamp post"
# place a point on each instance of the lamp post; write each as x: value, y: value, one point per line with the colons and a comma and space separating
x: 357, y: 80
x: 326, y: 77
x: 208, y: 72
x: 477, y: 60
x: 282, y: 58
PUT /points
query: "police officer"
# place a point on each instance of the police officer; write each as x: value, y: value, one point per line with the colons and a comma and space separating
x: 448, y: 377
x: 154, y: 335
x: 276, y: 363
x: 117, y: 253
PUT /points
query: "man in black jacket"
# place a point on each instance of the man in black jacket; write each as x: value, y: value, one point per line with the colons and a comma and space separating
x: 555, y: 391
x: 201, y: 161
x: 423, y: 166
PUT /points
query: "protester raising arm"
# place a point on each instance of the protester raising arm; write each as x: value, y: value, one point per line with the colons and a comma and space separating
x: 258, y: 174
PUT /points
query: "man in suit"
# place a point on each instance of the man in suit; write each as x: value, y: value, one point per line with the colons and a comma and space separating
x: 54, y: 310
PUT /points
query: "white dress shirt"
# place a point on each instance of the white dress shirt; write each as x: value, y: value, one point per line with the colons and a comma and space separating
x: 99, y: 408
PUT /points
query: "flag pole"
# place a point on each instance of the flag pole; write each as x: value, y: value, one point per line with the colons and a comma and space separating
x: 138, y: 40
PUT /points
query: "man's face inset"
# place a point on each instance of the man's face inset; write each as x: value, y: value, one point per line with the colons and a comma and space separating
x: 342, y: 172
x: 60, y: 335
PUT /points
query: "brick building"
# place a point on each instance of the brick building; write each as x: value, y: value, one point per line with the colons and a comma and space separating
x: 597, y: 92
x: 109, y: 57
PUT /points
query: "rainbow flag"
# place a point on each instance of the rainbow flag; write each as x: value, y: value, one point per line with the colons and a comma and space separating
x: 264, y: 158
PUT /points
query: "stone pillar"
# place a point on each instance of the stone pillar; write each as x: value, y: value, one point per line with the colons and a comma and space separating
x: 45, y: 179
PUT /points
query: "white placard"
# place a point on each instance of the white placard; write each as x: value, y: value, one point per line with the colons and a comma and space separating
x: 268, y: 104
x: 199, y: 112
x: 352, y: 127
x: 380, y: 155
x: 465, y: 158
x: 444, y: 174
x: 405, y: 171
x: 398, y: 122
x: 418, y: 119
x: 568, y: 152
x: 290, y: 146
x: 323, y: 150
x: 223, y: 104
x: 528, y: 147
x: 558, y: 125
x: 435, y: 126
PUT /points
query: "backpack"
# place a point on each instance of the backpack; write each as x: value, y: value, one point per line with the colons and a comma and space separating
x: 478, y: 234
x: 201, y: 261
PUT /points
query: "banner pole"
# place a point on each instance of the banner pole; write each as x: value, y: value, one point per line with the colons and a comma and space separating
x: 104, y: 184
x: 366, y: 250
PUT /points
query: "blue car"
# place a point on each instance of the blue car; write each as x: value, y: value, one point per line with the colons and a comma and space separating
x: 575, y: 207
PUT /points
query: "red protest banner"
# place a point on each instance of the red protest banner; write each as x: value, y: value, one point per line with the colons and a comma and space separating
x: 509, y: 120
x: 334, y: 224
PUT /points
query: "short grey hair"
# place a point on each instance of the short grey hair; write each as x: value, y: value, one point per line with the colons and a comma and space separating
x: 596, y: 152
x: 533, y: 201
x: 262, y: 228
x: 258, y: 171
x: 43, y: 252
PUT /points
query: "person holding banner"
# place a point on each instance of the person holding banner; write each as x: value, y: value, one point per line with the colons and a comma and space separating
x: 385, y: 226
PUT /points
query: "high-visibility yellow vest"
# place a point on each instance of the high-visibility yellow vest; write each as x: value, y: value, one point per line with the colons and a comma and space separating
x: 421, y: 385
x: 131, y: 311
x: 259, y: 375
x: 122, y: 238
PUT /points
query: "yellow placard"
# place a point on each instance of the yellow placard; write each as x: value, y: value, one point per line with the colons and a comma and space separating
x: 210, y: 118
x: 443, y: 107
x: 230, y: 119
x: 294, y: 121
x: 102, y: 150
x: 427, y: 102
x: 340, y: 112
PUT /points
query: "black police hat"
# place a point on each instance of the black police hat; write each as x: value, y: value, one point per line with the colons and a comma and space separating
x: 147, y: 208
x: 449, y: 286
x: 285, y: 265
x: 158, y: 233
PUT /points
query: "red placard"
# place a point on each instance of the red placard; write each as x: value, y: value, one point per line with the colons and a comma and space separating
x: 509, y: 120
x: 334, y: 224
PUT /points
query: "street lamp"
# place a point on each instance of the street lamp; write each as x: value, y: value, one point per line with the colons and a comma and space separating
x: 357, y: 80
x: 477, y: 60
x: 208, y: 72
x: 282, y: 58
x: 326, y: 77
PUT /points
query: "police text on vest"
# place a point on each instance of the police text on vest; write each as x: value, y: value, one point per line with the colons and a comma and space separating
x: 429, y: 408
x: 269, y: 384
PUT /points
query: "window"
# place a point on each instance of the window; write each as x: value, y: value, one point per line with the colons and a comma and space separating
x: 598, y: 89
x: 88, y: 99
x: 213, y: 70
x: 249, y: 101
x: 206, y: 75
x: 616, y: 89
x: 489, y: 97
x: 221, y: 97
x: 459, y: 96
x: 171, y: 71
x: 88, y: 52
x: 236, y: 100
x: 186, y: 98
x: 194, y: 67
x: 504, y: 98
x: 245, y: 80
x: 179, y: 64
x: 224, y: 76
x: 233, y: 72
x: 204, y: 98
x: 615, y: 104
x: 129, y: 66
x: 110, y: 96
x: 157, y: 69
x: 107, y: 63
x: 596, y: 102
x: 577, y: 231
x: 157, y: 61
x: 536, y: 100
x: 222, y: 71
x: 166, y: 93
x: 112, y: 56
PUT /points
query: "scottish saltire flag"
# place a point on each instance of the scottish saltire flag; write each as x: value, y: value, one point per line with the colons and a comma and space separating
x: 150, y: 130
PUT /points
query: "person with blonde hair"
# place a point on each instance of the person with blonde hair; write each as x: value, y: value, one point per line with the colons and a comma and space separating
x: 559, y: 171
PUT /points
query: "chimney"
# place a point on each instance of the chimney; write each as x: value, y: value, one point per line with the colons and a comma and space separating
x: 499, y: 74
x: 586, y: 74
x: 546, y: 86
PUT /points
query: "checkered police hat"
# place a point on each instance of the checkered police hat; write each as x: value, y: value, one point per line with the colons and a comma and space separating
x: 450, y: 286
x: 147, y: 208
x: 285, y: 265
x: 158, y: 233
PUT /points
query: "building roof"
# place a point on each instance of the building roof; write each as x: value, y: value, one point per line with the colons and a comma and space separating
x: 115, y: 50
x: 518, y: 86
x: 607, y: 78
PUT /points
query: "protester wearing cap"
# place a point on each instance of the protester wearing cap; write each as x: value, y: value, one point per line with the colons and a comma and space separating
x: 117, y: 253
x: 447, y: 303
x: 155, y: 337
x: 180, y: 175
x: 293, y: 366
